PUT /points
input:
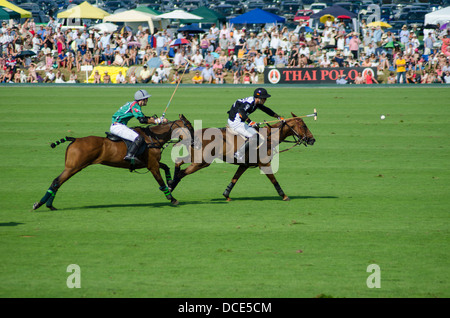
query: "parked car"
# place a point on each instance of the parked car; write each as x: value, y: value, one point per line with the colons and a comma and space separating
x: 303, y: 14
x: 318, y: 6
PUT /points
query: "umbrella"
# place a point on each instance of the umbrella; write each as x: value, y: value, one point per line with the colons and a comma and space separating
x: 343, y: 17
x: 306, y: 29
x: 134, y: 43
x: 193, y: 28
x: 380, y: 24
x: 105, y: 27
x: 178, y: 42
x: 445, y: 26
x: 26, y: 53
x: 325, y: 17
x: 124, y: 29
x: 154, y: 62
x: 393, y: 44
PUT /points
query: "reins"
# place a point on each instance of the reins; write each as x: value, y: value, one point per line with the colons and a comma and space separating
x: 298, y: 140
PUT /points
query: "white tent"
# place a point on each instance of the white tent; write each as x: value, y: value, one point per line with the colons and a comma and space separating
x: 440, y: 16
x: 133, y: 17
x: 180, y: 15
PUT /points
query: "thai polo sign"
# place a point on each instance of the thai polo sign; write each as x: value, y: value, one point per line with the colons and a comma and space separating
x: 315, y: 75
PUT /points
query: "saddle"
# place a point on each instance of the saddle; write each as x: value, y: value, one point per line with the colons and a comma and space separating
x: 128, y: 143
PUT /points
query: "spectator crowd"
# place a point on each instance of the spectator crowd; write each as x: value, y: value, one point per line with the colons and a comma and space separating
x: 31, y: 53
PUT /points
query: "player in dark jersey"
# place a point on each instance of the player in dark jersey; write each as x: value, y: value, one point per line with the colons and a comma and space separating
x: 239, y: 121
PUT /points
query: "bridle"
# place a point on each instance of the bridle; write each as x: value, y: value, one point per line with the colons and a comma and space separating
x: 298, y: 140
x: 155, y: 138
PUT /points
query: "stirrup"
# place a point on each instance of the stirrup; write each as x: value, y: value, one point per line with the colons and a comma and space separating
x: 132, y: 160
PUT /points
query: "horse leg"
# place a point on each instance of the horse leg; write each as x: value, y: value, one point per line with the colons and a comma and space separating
x: 166, y: 171
x: 274, y: 181
x: 180, y: 174
x: 49, y: 196
x: 237, y: 175
x: 176, y: 174
x: 154, y: 169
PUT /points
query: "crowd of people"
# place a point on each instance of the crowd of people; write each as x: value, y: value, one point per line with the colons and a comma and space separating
x: 44, y: 53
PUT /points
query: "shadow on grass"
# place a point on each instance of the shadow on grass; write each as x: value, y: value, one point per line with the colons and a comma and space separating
x: 277, y: 198
x: 10, y: 223
x: 183, y: 203
x: 140, y: 205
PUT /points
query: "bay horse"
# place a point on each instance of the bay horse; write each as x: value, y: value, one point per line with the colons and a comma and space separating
x: 225, y: 150
x: 86, y: 151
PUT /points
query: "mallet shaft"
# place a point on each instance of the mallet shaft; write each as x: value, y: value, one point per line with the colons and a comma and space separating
x: 173, y: 94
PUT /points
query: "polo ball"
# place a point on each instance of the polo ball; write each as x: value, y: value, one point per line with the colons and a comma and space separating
x: 382, y: 117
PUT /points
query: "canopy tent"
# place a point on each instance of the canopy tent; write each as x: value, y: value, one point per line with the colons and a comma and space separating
x: 179, y: 15
x: 161, y: 24
x: 7, y: 14
x: 257, y: 16
x: 146, y: 9
x: 83, y: 11
x: 440, y: 16
x: 133, y: 17
x: 208, y: 15
x: 9, y: 5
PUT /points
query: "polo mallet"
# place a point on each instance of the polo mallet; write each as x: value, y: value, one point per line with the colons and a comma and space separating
x: 278, y: 120
x: 179, y: 81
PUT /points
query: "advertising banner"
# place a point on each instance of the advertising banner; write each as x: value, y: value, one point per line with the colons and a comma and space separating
x: 316, y: 75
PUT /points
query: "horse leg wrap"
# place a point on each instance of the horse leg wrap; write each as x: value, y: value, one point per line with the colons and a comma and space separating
x: 166, y: 192
x: 168, y: 175
x: 278, y: 188
x: 50, y: 194
x: 226, y: 194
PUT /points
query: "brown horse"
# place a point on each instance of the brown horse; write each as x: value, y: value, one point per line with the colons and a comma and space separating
x: 86, y: 151
x: 225, y: 144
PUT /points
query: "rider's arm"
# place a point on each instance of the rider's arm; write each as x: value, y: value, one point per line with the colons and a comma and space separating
x: 268, y: 111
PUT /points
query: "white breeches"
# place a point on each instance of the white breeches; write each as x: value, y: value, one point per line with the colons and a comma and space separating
x: 242, y: 128
x: 123, y: 131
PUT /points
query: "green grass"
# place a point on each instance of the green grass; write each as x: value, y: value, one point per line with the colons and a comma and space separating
x: 369, y: 191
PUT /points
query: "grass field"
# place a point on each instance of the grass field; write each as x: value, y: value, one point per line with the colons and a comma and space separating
x: 370, y: 191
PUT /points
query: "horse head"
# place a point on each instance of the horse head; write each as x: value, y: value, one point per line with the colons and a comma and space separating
x: 300, y: 130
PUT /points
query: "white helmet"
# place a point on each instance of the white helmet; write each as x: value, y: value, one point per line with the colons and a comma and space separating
x: 141, y: 94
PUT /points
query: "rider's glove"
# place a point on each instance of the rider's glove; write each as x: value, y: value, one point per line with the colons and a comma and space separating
x: 253, y: 124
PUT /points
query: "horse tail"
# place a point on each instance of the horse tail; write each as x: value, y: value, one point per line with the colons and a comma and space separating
x: 62, y: 140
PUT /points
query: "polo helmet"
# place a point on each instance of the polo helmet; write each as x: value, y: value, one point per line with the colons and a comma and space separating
x: 261, y: 93
x: 141, y: 94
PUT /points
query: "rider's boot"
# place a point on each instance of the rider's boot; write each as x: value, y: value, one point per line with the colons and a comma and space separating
x: 131, y: 155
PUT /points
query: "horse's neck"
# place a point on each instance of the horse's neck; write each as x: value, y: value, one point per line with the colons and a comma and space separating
x: 159, y: 134
x: 279, y: 129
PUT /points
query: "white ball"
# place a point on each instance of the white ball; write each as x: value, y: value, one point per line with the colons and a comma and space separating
x: 382, y: 117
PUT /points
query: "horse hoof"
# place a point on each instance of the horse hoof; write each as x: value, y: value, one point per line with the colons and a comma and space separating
x: 52, y: 208
x: 229, y: 199
x: 175, y: 202
x: 37, y: 205
x: 286, y: 198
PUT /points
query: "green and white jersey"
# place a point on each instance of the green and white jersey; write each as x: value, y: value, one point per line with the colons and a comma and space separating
x: 126, y: 112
